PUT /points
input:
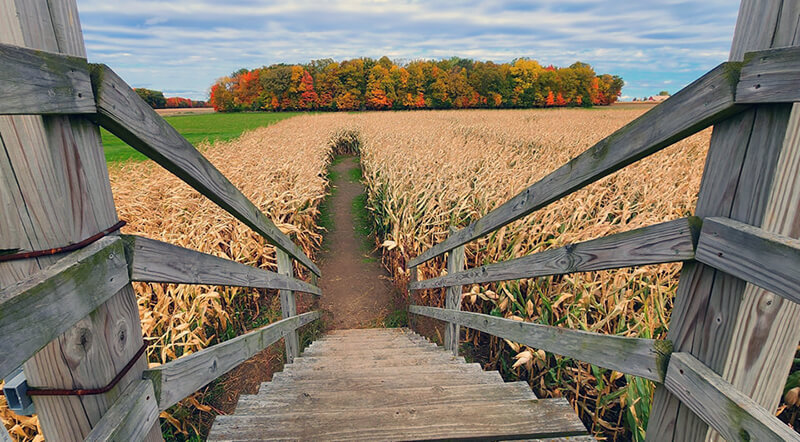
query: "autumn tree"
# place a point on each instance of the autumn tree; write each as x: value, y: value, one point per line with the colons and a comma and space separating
x: 365, y: 83
x: 308, y: 96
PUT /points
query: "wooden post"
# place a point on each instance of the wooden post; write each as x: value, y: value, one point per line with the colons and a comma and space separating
x: 54, y: 190
x: 766, y: 331
x: 713, y: 319
x: 412, y: 277
x: 455, y: 263
x: 288, y: 306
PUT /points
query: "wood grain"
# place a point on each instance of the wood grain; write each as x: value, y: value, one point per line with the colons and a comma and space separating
x: 704, y: 102
x: 646, y: 358
x: 156, y: 261
x: 765, y: 259
x: 736, y: 184
x: 766, y: 333
x: 57, y: 192
x: 771, y: 76
x: 131, y: 416
x: 37, y: 310
x: 37, y: 82
x: 455, y: 264
x: 126, y: 115
x: 519, y: 419
x: 734, y: 415
x: 288, y: 306
x: 666, y: 242
x: 175, y: 380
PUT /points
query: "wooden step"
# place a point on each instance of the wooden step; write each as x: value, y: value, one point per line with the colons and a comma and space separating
x: 280, y: 383
x: 299, y: 401
x: 369, y: 331
x: 356, y: 351
x: 381, y: 384
x: 516, y: 419
x: 389, y: 360
x: 373, y: 340
x: 298, y: 373
x: 368, y: 336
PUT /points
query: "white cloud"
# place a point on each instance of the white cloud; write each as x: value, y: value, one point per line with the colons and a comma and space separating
x: 186, y: 44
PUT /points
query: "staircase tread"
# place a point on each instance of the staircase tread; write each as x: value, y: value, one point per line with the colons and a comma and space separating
x: 402, y: 360
x: 307, y: 400
x: 401, y: 341
x: 509, y: 419
x: 380, y: 372
x: 444, y: 379
x: 390, y: 384
x: 372, y: 349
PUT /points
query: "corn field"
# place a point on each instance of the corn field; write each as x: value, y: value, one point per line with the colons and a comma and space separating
x: 426, y: 171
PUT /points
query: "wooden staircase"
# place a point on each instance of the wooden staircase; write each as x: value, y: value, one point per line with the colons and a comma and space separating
x: 392, y: 384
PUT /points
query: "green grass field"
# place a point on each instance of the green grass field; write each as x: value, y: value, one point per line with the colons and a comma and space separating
x: 196, y: 128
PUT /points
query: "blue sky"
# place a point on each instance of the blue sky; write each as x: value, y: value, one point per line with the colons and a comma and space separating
x: 182, y: 46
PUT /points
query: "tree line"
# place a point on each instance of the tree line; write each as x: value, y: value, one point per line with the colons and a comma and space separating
x: 365, y: 83
x: 157, y: 100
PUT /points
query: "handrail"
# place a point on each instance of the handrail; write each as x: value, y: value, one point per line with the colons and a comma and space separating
x: 156, y: 261
x: 771, y: 76
x: 126, y: 115
x: 38, y: 82
x: 766, y: 259
x: 42, y: 307
x: 697, y: 106
x: 646, y: 358
x: 734, y: 415
x: 175, y: 380
x: 661, y: 243
x: 131, y: 417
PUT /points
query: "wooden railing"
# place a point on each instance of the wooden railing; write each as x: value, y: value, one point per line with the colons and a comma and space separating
x: 766, y: 259
x: 39, y: 309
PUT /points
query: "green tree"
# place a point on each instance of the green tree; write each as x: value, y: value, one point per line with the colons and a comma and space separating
x: 154, y: 98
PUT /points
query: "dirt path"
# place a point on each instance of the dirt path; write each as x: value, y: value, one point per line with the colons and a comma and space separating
x: 356, y: 290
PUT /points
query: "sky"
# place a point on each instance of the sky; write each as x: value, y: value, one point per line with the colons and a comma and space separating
x: 183, y: 46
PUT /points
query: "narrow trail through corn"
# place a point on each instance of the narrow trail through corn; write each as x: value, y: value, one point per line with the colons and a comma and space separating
x: 356, y: 291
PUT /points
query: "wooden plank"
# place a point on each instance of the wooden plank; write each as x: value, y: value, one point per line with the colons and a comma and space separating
x: 126, y: 115
x: 38, y: 82
x: 156, y: 261
x: 704, y: 102
x: 39, y: 309
x: 299, y: 375
x: 734, y: 415
x: 531, y: 418
x: 303, y: 401
x: 671, y: 241
x: 455, y: 264
x: 765, y: 259
x: 645, y: 358
x: 288, y: 306
x: 736, y: 184
x: 766, y: 332
x: 175, y: 380
x: 771, y: 76
x: 131, y: 417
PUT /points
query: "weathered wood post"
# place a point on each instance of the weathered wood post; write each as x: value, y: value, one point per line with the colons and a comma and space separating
x: 455, y: 263
x: 413, y: 276
x: 742, y: 333
x: 54, y: 190
x: 288, y: 306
